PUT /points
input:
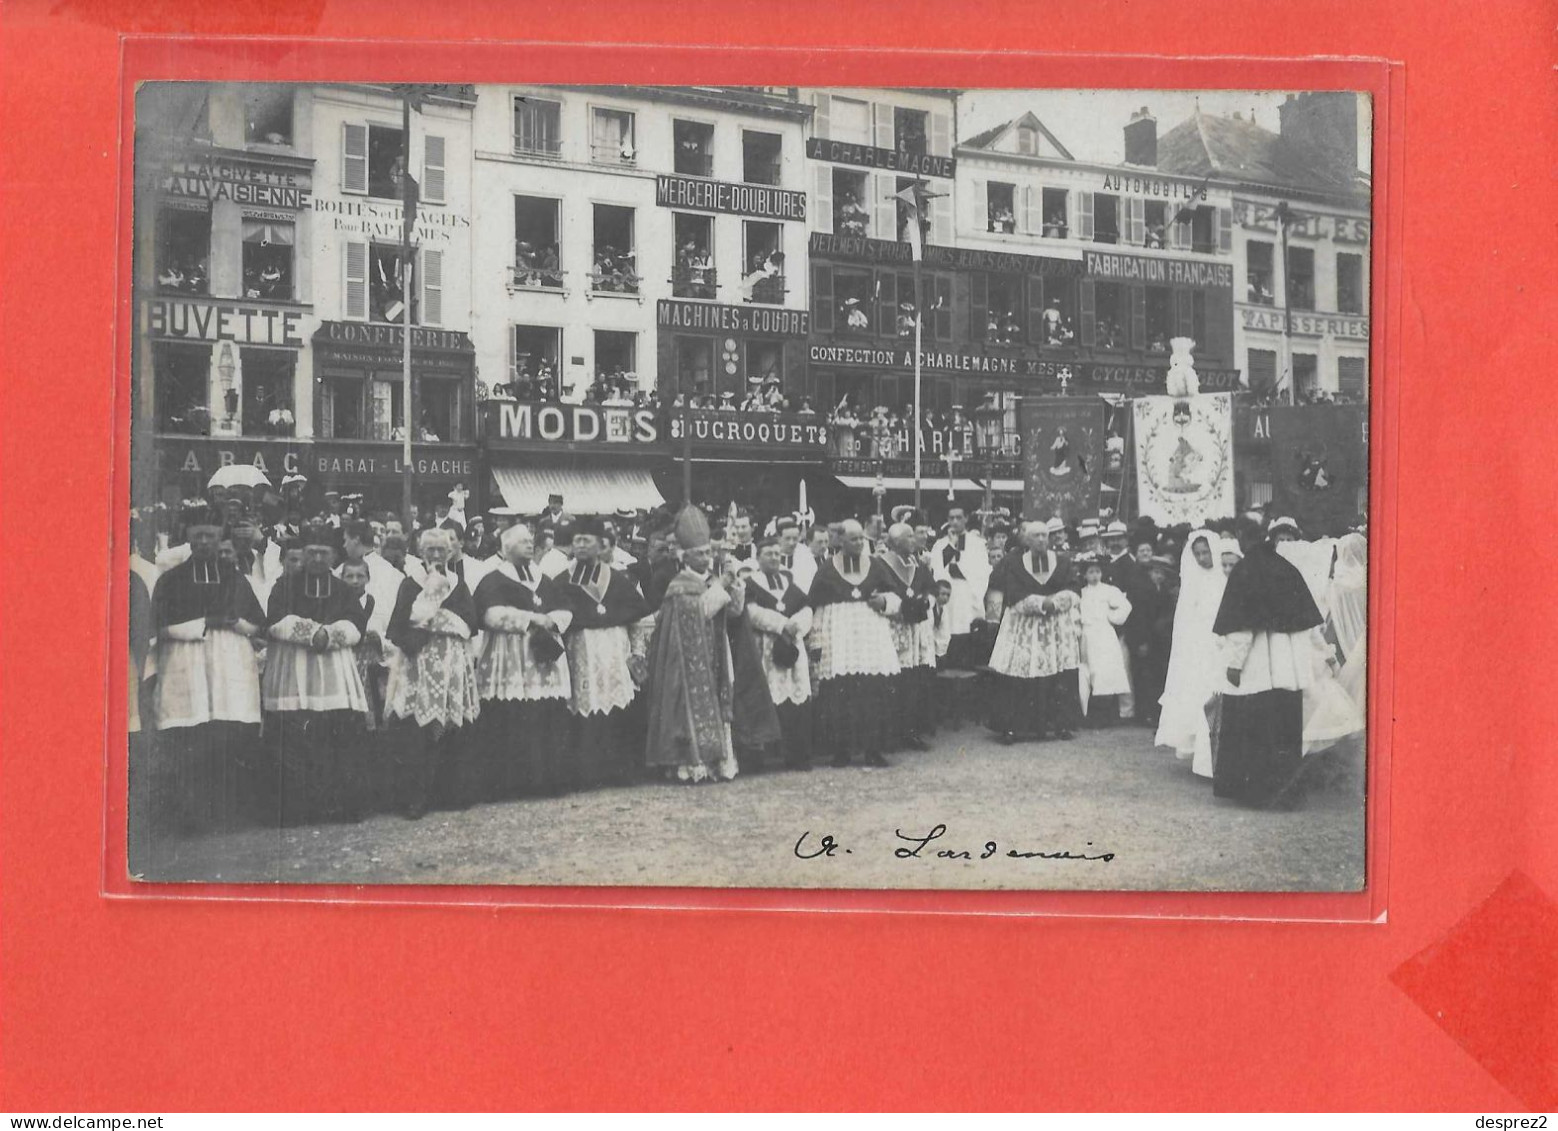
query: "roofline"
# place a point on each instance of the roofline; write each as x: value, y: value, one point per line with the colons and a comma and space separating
x: 771, y: 106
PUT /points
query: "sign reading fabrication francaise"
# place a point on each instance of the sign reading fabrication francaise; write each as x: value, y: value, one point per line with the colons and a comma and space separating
x: 713, y: 318
x: 1144, y: 269
x: 766, y: 201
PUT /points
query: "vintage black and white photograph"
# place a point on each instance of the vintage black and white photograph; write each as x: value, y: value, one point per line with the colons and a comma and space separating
x: 749, y: 487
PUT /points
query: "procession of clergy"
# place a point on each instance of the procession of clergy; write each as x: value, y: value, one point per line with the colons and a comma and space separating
x: 332, y: 675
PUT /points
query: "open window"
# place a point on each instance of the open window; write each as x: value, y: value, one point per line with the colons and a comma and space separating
x: 616, y: 367
x: 1306, y: 375
x: 534, y: 363
x: 1106, y: 218
x: 761, y: 156
x: 765, y: 369
x: 849, y: 120
x: 1259, y: 274
x: 267, y: 259
x: 854, y: 296
x: 1349, y: 283
x: 851, y: 210
x: 1057, y: 313
x: 438, y: 410
x: 180, y: 374
x: 537, y: 126
x: 1301, y: 278
x: 183, y: 250
x: 386, y: 284
x: 267, y: 391
x: 1053, y: 208
x: 1110, y: 313
x: 1000, y: 207
x: 694, y: 365
x: 692, y: 275
x: 1155, y: 223
x: 694, y: 142
x: 1159, y: 318
x: 386, y: 162
x: 537, y: 256
x: 910, y: 129
x: 612, y: 138
x: 615, y: 263
x: 1203, y: 229
x: 340, y: 415
x: 762, y: 277
x: 1004, y: 321
x: 267, y: 113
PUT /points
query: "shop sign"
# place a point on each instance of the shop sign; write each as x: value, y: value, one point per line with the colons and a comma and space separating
x: 1165, y: 272
x: 874, y: 157
x: 1160, y: 188
x: 748, y: 321
x: 864, y: 249
x: 200, y: 458
x: 369, y: 220
x: 230, y: 177
x: 203, y: 321
x: 977, y: 469
x: 356, y: 463
x: 1305, y: 323
x: 768, y: 202
x: 1262, y: 216
x: 746, y: 429
x: 571, y: 424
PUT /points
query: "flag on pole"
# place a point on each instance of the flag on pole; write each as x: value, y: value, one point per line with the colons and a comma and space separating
x: 915, y: 195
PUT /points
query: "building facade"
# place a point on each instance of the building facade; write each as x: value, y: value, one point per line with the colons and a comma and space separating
x: 640, y: 243
x: 223, y: 286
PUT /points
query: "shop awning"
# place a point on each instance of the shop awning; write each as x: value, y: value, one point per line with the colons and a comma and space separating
x: 584, y: 490
x: 905, y: 483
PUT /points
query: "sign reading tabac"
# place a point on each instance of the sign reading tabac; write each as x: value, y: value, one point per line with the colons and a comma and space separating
x: 767, y: 201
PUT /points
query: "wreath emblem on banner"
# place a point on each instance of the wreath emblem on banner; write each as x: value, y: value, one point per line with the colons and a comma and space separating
x: 1185, y: 459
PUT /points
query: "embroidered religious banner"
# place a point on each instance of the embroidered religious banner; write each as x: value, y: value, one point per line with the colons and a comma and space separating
x: 1184, y: 457
x: 1319, y: 465
x: 1063, y: 456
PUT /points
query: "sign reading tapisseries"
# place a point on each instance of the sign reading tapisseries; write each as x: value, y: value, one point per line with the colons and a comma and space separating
x: 1145, y: 269
x: 872, y: 157
x: 748, y: 321
x: 767, y: 201
x: 1306, y: 324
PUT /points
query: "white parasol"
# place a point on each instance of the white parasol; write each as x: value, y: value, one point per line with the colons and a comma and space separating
x: 238, y: 475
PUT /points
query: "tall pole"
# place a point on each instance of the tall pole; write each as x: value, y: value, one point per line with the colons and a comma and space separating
x: 1287, y: 307
x: 407, y: 393
x: 919, y: 325
x: 686, y: 447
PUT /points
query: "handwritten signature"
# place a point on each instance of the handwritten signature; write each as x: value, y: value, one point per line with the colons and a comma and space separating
x: 914, y: 847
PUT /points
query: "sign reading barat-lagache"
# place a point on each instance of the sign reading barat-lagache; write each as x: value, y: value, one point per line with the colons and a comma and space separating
x: 766, y: 201
x: 579, y: 423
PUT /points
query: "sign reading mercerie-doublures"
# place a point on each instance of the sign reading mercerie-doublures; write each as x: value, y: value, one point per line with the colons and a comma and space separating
x: 764, y: 201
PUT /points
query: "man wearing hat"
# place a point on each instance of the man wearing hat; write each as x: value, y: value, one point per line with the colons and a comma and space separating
x: 962, y: 558
x: 692, y: 684
x: 314, y: 697
x: 780, y: 615
x: 596, y: 609
x: 1090, y: 538
x: 208, y: 688
x: 1126, y: 574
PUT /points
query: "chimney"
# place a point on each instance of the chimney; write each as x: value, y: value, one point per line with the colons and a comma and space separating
x: 1323, y: 120
x: 1141, y: 139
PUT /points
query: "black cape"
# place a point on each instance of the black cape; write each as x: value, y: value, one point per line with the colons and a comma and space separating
x: 1265, y: 593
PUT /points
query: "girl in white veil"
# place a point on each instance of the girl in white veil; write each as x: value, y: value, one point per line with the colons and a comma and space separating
x: 1195, y: 670
x: 1350, y: 614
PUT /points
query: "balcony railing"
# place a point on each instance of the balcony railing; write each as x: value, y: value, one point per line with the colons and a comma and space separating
x: 537, y: 276
x: 538, y: 146
x: 695, y: 164
x: 694, y: 282
x: 603, y: 153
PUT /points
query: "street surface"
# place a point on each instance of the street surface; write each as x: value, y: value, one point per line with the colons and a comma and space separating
x: 1106, y: 792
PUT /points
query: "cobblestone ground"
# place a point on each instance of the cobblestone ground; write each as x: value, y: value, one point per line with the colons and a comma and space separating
x: 1107, y: 791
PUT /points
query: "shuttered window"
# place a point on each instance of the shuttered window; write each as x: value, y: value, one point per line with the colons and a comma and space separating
x: 1352, y: 377
x: 433, y: 171
x: 1263, y: 370
x: 433, y: 287
x: 356, y: 280
x: 354, y: 158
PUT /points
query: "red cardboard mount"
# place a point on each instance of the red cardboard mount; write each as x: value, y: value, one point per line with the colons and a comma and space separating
x: 210, y: 997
